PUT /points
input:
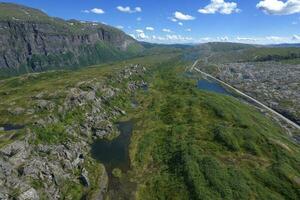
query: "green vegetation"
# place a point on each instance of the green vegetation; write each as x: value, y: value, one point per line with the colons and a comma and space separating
x: 190, y: 144
x: 234, y: 52
x: 187, y: 143
x: 117, y: 173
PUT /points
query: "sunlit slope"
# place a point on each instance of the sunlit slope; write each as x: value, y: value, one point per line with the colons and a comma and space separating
x: 190, y: 144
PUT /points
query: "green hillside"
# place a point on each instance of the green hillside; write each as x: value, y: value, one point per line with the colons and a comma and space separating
x: 191, y: 144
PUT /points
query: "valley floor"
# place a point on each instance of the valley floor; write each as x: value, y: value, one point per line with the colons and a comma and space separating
x: 186, y: 143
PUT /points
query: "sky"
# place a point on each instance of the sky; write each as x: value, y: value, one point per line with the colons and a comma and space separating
x: 186, y: 21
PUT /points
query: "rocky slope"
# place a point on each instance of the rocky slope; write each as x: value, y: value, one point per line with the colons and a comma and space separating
x: 32, y: 41
x: 51, y: 160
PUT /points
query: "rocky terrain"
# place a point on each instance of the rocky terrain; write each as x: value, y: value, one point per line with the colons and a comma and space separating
x: 51, y: 159
x: 32, y: 41
x: 273, y: 83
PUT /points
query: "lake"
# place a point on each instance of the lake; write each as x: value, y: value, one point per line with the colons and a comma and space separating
x: 115, y: 154
x: 11, y: 127
x: 212, y: 86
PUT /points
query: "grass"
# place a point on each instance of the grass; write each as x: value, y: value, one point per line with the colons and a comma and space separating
x: 190, y: 144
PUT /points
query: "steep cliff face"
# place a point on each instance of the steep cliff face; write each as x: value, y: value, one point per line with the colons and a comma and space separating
x: 32, y: 41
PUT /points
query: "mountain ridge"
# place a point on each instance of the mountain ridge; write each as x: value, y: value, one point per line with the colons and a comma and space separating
x: 32, y: 41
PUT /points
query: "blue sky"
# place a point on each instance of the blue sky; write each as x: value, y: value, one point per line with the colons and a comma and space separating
x: 186, y: 21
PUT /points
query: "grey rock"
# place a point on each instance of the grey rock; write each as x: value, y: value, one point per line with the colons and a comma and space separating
x: 46, y: 105
x: 90, y: 96
x: 84, y: 177
x: 30, y: 194
x: 16, y: 152
x: 17, y: 111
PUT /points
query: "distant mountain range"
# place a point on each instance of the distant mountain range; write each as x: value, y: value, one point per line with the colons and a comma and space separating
x: 286, y: 45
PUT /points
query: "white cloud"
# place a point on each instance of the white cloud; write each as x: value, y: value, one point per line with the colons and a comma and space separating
x: 275, y: 38
x: 97, y: 11
x: 220, y: 6
x: 276, y: 7
x: 127, y: 9
x: 139, y: 31
x: 120, y: 27
x: 149, y: 28
x: 178, y: 38
x: 169, y: 38
x: 132, y: 35
x: 223, y: 39
x: 296, y: 37
x: 85, y: 11
x: 138, y: 9
x: 206, y: 39
x: 172, y: 19
x: 142, y: 36
x: 246, y: 39
x: 180, y: 16
x: 139, y: 19
x: 94, y: 10
x: 180, y: 23
x: 188, y: 30
x: 166, y: 30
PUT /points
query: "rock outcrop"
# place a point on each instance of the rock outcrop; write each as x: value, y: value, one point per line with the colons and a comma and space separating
x: 32, y: 169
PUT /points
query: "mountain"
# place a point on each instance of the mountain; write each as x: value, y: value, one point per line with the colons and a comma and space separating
x: 285, y: 45
x: 32, y: 41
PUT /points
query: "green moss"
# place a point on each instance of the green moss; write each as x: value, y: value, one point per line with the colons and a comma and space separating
x: 51, y: 134
x: 117, y: 173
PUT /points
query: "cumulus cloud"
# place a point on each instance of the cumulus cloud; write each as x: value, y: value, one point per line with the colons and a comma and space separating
x: 180, y: 23
x: 181, y: 16
x: 140, y: 35
x: 94, y: 10
x: 172, y: 19
x: 127, y: 9
x: 149, y: 28
x: 166, y: 30
x: 139, y: 30
x: 188, y: 29
x: 276, y: 7
x: 223, y: 39
x: 220, y: 6
x: 97, y: 11
x: 178, y: 38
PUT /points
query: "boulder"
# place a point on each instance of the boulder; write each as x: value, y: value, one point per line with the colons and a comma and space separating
x: 30, y: 194
x: 16, y: 152
x: 84, y: 177
x: 45, y: 105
